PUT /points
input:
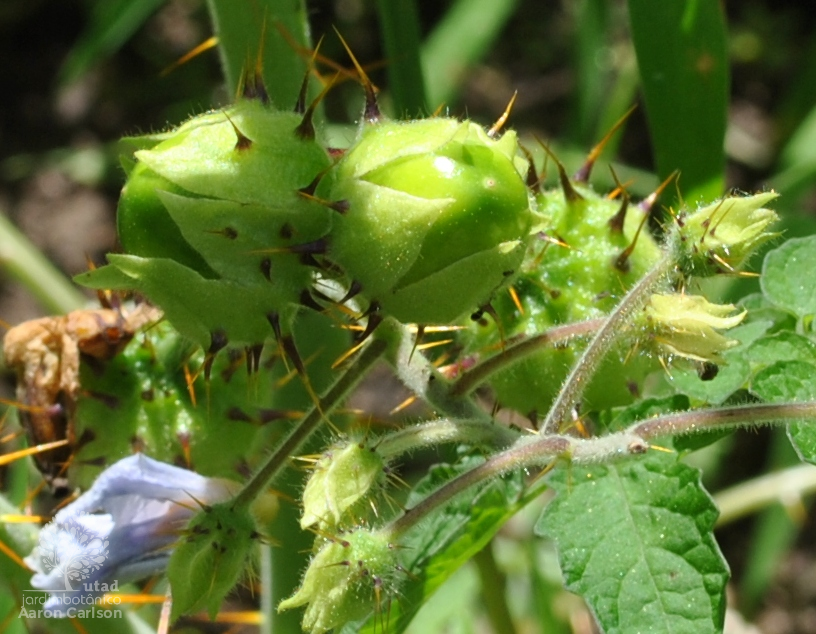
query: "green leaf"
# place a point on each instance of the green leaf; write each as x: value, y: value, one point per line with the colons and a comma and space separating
x: 447, y: 539
x: 682, y: 53
x: 399, y: 29
x: 644, y: 558
x: 791, y: 381
x: 787, y: 276
x: 782, y: 346
x: 245, y: 29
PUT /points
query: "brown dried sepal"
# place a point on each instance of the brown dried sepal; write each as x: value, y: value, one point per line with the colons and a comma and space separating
x: 46, y: 354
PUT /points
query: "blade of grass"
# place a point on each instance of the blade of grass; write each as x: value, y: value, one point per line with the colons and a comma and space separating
x: 682, y: 53
x: 462, y: 38
x: 245, y: 28
x: 24, y: 262
x: 399, y: 29
x: 111, y: 24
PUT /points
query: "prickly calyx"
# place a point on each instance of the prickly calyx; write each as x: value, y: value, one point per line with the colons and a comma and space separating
x: 438, y: 217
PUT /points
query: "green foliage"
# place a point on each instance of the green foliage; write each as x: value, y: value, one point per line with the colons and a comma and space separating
x: 645, y: 557
x: 264, y: 244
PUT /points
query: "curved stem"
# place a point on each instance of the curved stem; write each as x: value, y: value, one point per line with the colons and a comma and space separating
x: 533, y: 451
x: 309, y: 423
x: 445, y: 430
x: 421, y: 377
x: 593, y: 354
x: 471, y: 379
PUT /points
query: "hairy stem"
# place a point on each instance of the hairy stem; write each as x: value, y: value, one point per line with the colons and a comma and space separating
x: 310, y: 422
x: 532, y: 451
x: 419, y: 376
x: 582, y: 372
x: 445, y: 430
x: 471, y: 379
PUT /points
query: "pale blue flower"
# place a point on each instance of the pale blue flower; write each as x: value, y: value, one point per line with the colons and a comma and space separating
x: 122, y: 529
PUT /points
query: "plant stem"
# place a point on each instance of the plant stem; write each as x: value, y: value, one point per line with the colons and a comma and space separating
x: 419, y: 376
x: 309, y: 423
x: 445, y: 430
x: 474, y: 377
x: 593, y: 354
x: 531, y: 451
x: 723, y: 418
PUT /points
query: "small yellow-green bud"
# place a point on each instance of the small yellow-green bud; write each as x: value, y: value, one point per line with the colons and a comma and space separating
x: 687, y: 325
x: 346, y: 473
x: 719, y: 237
x: 347, y: 578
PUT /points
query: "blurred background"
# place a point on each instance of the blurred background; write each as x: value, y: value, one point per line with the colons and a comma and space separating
x: 77, y: 75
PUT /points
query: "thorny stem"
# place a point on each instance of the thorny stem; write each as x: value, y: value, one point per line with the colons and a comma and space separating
x: 309, y: 423
x: 604, y: 339
x: 480, y: 373
x: 531, y: 451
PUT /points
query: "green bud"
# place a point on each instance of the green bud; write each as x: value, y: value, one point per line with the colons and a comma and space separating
x: 346, y: 473
x: 345, y: 580
x: 438, y: 217
x: 719, y: 237
x: 687, y: 325
x: 211, y: 558
x: 209, y: 218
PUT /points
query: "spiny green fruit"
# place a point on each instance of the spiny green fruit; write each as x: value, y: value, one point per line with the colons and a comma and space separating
x: 153, y: 397
x: 214, y: 221
x: 586, y: 262
x: 438, y: 216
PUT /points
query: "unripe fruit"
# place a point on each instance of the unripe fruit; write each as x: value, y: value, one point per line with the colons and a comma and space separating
x: 213, y: 217
x: 438, y: 217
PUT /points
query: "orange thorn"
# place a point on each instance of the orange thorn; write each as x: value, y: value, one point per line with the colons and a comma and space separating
x: 582, y: 175
x: 647, y: 203
x: 408, y: 401
x: 29, y: 451
x: 206, y: 45
x: 570, y: 194
x: 514, y: 296
x: 496, y: 128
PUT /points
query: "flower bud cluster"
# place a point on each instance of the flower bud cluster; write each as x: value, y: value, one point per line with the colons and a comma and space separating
x: 688, y: 325
x: 719, y: 237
